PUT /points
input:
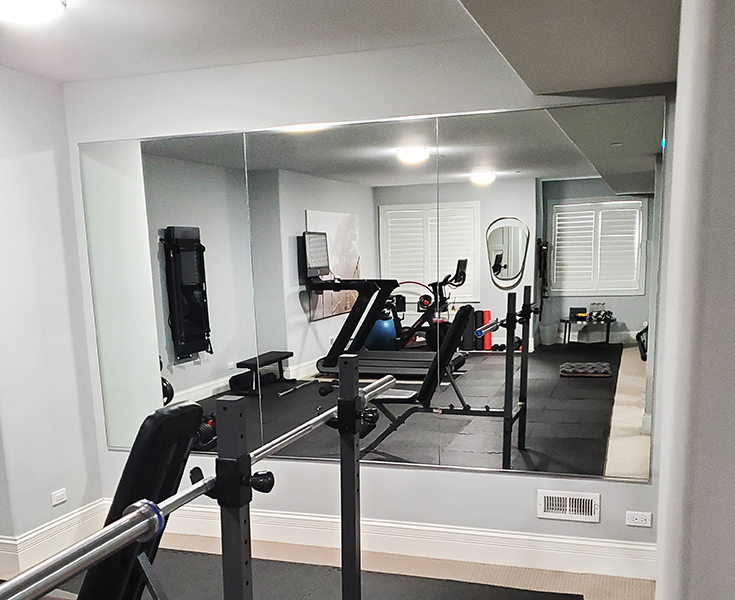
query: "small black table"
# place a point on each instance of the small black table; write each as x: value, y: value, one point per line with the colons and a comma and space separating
x: 568, y: 327
x: 266, y: 359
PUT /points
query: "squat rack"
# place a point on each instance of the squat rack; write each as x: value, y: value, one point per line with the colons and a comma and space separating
x: 233, y: 487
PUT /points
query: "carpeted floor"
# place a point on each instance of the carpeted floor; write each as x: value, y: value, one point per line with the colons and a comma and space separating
x: 568, y: 418
x: 194, y: 576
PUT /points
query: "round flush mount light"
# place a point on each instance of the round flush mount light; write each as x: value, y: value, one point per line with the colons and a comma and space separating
x: 301, y: 128
x: 30, y: 12
x: 413, y: 156
x: 484, y: 177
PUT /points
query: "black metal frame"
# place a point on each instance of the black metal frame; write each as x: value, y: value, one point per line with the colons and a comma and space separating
x: 509, y: 413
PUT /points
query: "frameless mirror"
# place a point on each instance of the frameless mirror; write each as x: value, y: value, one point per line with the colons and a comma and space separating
x: 507, y: 240
x: 568, y: 200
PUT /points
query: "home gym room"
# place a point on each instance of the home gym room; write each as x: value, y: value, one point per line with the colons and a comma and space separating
x: 143, y: 160
x: 249, y: 199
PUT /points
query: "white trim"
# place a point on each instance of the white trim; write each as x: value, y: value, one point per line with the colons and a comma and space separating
x: 203, y: 390
x: 301, y: 371
x: 20, y: 553
x: 551, y: 552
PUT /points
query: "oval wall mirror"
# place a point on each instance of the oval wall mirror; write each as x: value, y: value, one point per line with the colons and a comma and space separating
x: 507, y: 241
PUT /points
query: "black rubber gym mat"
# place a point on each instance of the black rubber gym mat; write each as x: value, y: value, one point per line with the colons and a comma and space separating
x: 194, y: 576
x: 568, y: 425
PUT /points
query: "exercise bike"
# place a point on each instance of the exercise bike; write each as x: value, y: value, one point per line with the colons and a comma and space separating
x: 430, y: 306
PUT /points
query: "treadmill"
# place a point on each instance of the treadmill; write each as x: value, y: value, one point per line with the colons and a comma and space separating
x: 372, y: 295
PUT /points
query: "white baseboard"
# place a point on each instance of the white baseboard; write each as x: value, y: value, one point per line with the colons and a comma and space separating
x: 203, y: 390
x: 486, y: 546
x: 301, y: 371
x: 20, y: 553
x: 551, y: 552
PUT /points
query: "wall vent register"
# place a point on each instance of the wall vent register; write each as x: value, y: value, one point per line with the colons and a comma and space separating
x: 568, y: 506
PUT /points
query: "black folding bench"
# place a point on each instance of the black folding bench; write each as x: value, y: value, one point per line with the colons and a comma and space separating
x: 153, y: 471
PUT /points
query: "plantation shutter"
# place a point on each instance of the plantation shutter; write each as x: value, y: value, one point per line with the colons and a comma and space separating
x: 598, y: 248
x: 409, y: 250
x: 457, y: 239
x: 574, y: 250
x: 407, y: 247
x: 620, y: 240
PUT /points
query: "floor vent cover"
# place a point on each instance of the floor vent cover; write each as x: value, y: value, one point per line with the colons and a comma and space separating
x: 568, y: 506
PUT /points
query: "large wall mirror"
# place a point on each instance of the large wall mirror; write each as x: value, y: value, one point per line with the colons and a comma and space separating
x: 301, y: 225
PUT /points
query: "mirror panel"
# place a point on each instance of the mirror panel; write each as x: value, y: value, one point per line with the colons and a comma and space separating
x: 335, y: 181
x: 196, y: 182
x: 424, y: 231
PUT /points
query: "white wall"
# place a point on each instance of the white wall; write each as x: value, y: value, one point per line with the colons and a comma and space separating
x: 48, y: 424
x: 265, y: 220
x: 512, y: 196
x: 297, y: 193
x: 214, y: 199
x: 696, y: 409
x: 451, y: 77
x: 117, y: 237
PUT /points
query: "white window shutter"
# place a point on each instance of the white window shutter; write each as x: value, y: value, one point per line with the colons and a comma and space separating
x: 620, y: 239
x: 574, y: 249
x: 458, y: 239
x: 598, y: 248
x: 409, y: 243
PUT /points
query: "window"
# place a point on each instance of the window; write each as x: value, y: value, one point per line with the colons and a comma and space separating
x: 408, y: 244
x: 598, y: 248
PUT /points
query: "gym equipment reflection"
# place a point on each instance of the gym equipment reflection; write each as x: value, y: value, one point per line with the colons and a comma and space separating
x: 422, y: 223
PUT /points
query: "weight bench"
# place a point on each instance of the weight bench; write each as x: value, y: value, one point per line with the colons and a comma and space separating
x: 153, y: 471
x: 265, y: 360
x: 420, y: 402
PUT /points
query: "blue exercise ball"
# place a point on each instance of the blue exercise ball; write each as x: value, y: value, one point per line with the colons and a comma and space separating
x: 382, y: 335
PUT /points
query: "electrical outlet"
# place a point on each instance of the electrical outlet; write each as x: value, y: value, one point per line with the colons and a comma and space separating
x: 230, y: 366
x: 638, y: 519
x: 58, y: 497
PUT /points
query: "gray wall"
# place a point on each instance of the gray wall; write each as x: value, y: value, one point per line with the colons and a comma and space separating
x: 48, y: 425
x: 214, y: 199
x: 631, y: 311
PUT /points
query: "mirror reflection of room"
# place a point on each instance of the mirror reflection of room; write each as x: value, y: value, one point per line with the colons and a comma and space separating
x: 572, y: 421
x: 501, y: 266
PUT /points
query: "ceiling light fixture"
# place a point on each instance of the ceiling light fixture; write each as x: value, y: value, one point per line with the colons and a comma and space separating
x: 303, y: 127
x: 30, y: 12
x: 413, y: 156
x: 482, y: 177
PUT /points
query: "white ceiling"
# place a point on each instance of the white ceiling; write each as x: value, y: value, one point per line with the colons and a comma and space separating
x: 570, y: 45
x: 619, y: 141
x: 113, y: 38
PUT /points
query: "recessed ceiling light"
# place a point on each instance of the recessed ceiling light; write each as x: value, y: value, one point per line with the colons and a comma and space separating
x: 413, y: 156
x: 30, y: 12
x: 484, y: 177
x: 303, y: 127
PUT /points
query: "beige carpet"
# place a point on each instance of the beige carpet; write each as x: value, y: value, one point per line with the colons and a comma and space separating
x: 592, y: 587
x: 628, y: 448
